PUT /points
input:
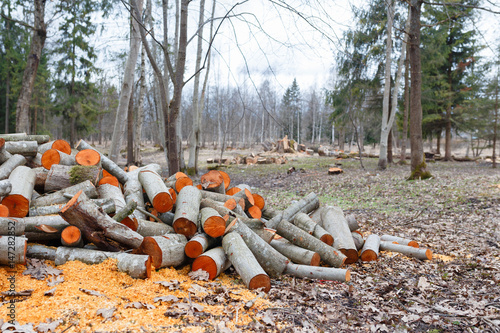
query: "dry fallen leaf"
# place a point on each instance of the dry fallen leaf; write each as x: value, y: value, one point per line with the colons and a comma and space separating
x: 49, y: 327
x: 139, y: 305
x: 50, y: 292
x: 91, y: 292
x: 199, y: 275
x: 168, y: 298
x: 107, y: 314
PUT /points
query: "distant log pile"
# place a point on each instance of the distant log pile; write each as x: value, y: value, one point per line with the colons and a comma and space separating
x: 90, y: 209
x: 250, y: 159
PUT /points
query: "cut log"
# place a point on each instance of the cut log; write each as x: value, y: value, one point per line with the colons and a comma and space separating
x: 32, y: 223
x: 272, y: 261
x: 335, y: 171
x: 370, y: 249
x: 63, y: 196
x: 323, y: 151
x: 11, y: 227
x: 107, y: 191
x: 106, y: 163
x: 320, y: 273
x: 88, y: 157
x: 41, y: 252
x: 137, y: 266
x: 352, y: 223
x: 243, y: 260
x: 107, y: 205
x: 62, y: 176
x: 358, y: 240
x: 227, y: 179
x: 13, y: 250
x: 40, y: 177
x: 212, y: 223
x: 213, y: 181
x: 186, y: 211
x: 233, y: 190
x: 269, y: 212
x: 71, y: 236
x: 295, y: 253
x: 157, y: 191
x: 97, y: 227
x: 166, y: 250
x: 299, y: 237
x: 305, y: 205
x: 4, y: 211
x: 5, y: 187
x: 334, y: 222
x: 8, y: 166
x: 34, y: 161
x: 133, y: 188
x: 214, y: 262
x: 223, y: 211
x: 178, y: 182
x: 399, y: 240
x: 167, y: 218
x: 245, y: 194
x: 147, y: 228
x: 259, y: 201
x: 25, y: 148
x: 61, y: 145
x: 19, y: 199
x: 54, y: 156
x: 409, y: 251
x: 4, y: 154
x: 25, y: 137
x: 197, y: 245
x: 111, y: 180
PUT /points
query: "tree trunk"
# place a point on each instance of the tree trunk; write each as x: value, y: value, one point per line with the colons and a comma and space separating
x: 130, y: 131
x: 399, y: 240
x: 418, y: 165
x: 25, y: 148
x: 127, y: 88
x: 404, y: 135
x: 35, y: 54
x: 140, y: 111
x: 13, y: 251
x: 495, y: 128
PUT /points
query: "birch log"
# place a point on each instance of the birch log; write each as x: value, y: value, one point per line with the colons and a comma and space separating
x: 166, y: 250
x: 370, y: 249
x: 245, y: 263
x: 63, y: 196
x: 156, y: 190
x: 25, y: 148
x: 334, y: 222
x: 186, y: 211
x: 197, y: 245
x: 5, y: 187
x: 295, y: 253
x: 214, y: 262
x: 320, y: 273
x: 25, y: 137
x: 399, y: 240
x: 422, y: 254
x: 13, y: 250
x: 8, y: 166
x: 18, y: 201
x: 11, y: 227
x: 4, y: 154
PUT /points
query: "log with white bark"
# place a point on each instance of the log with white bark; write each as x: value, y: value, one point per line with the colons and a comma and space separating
x: 71, y: 236
x: 63, y: 196
x: 122, y: 209
x: 133, y: 192
x: 106, y: 163
x: 54, y: 156
x: 399, y: 240
x: 213, y: 181
x: 40, y: 177
x: 5, y: 187
x: 214, y: 262
x: 409, y: 251
x: 13, y: 250
x: 352, y: 222
x: 212, y: 223
x: 178, y: 181
x: 25, y: 148
x: 62, y: 176
x: 244, y: 262
x: 197, y: 245
x: 40, y: 139
x: 11, y: 227
x: 61, y: 145
x: 32, y: 223
x: 295, y: 253
x: 166, y: 250
x: 305, y: 205
x: 4, y: 154
x: 223, y: 211
x: 157, y: 191
x: 265, y: 233
x: 319, y: 273
x: 97, y: 227
x: 107, y: 205
x: 41, y: 252
x: 148, y: 228
x: 18, y: 201
x: 333, y: 221
x: 370, y: 249
x: 34, y: 161
x: 8, y: 166
x: 358, y: 240
x: 186, y: 211
x: 304, y: 222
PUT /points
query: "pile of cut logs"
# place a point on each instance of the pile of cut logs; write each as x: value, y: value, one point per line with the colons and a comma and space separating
x: 90, y: 209
x: 250, y: 159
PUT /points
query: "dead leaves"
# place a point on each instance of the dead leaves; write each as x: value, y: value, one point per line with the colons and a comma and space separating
x: 107, y: 314
x: 139, y: 305
x: 37, y: 269
x: 92, y: 292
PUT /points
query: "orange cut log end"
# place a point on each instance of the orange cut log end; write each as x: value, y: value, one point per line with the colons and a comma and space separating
x: 327, y: 239
x: 227, y: 179
x: 428, y: 254
x: 150, y: 247
x: 259, y: 201
x: 17, y: 205
x: 230, y: 204
x: 71, y: 234
x: 199, y: 187
x: 185, y: 227
x: 4, y: 211
x: 180, y: 175
x: 62, y: 145
x: 260, y: 281
x: 193, y: 249
x: 214, y: 226
x: 88, y: 157
x: 111, y: 180
x: 206, y: 264
x: 315, y: 260
x: 369, y: 255
x: 255, y: 212
x: 413, y: 244
x: 105, y: 173
x: 233, y: 190
x: 249, y: 197
x: 173, y: 195
x: 211, y: 179
x: 162, y: 202
x: 182, y: 182
x: 50, y: 157
x: 351, y: 254
x: 131, y: 223
x: 72, y: 201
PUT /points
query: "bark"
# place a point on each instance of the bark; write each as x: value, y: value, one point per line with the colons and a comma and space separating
x: 178, y: 183
x: 127, y: 87
x: 40, y: 139
x: 265, y: 233
x: 156, y: 190
x: 186, y: 211
x: 404, y: 135
x: 495, y: 128
x: 19, y: 199
x: 52, y: 157
x: 13, y: 250
x: 25, y: 148
x: 11, y: 227
x: 124, y: 211
x: 214, y: 262
x: 320, y: 273
x: 399, y: 240
x: 133, y: 193
x: 139, y: 119
x: 4, y: 154
x: 223, y: 211
x: 107, y: 164
x: 243, y: 260
x: 62, y: 176
x: 295, y: 253
x: 107, y: 205
x: 304, y: 222
x: 64, y: 195
x: 211, y: 222
x: 61, y: 145
x: 41, y: 252
x: 5, y: 187
x: 34, y: 161
x: 305, y: 205
x: 130, y: 131
x: 97, y: 227
x: 29, y: 75
x: 166, y: 250
x: 71, y: 236
x: 33, y: 223
x: 197, y: 245
x: 370, y: 249
x: 352, y: 223
x: 147, y: 228
x: 409, y: 251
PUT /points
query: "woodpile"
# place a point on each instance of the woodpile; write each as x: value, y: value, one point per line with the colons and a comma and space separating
x: 148, y: 222
x: 250, y: 159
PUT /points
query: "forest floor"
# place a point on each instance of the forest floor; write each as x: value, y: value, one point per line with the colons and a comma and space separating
x: 456, y: 214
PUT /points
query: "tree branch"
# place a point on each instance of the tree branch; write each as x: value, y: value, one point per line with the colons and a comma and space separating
x: 24, y: 24
x: 460, y: 5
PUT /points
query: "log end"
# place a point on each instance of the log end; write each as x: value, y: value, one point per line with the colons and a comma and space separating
x: 315, y: 260
x: 428, y: 254
x: 227, y: 179
x: 71, y: 235
x: 347, y: 275
x: 72, y: 201
x: 413, y: 244
x: 182, y: 182
x: 131, y: 223
x: 351, y: 254
x: 17, y: 205
x: 150, y: 247
x: 111, y: 180
x: 260, y: 281
x: 249, y: 196
x: 369, y: 255
x: 233, y: 190
x: 211, y: 180
x: 214, y: 226
x: 254, y: 212
x: 148, y: 264
x: 162, y: 202
x: 258, y: 201
x: 185, y: 227
x: 327, y: 239
x: 62, y: 145
x: 50, y: 157
x: 230, y: 204
x: 206, y: 264
x: 88, y: 157
x: 4, y: 211
x: 193, y: 249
